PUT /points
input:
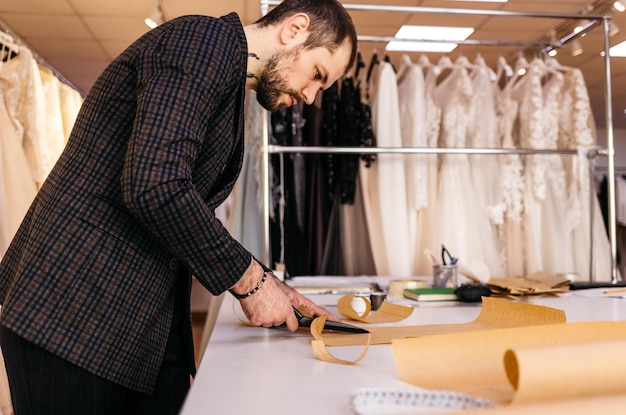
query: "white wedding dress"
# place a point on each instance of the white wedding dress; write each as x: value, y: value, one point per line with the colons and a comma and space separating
x: 383, y: 184
x: 462, y: 224
x: 412, y: 103
x: 547, y: 242
x: 511, y: 182
x: 427, y: 226
x: 590, y: 243
x: 21, y: 136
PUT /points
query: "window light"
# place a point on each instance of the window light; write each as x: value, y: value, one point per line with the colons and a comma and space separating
x: 426, y: 34
x: 618, y: 50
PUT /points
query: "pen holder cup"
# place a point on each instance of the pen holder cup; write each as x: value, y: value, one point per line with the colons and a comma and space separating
x: 445, y: 276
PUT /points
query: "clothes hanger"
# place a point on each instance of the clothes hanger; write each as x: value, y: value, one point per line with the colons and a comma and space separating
x: 552, y: 62
x: 521, y: 66
x: 388, y: 60
x: 479, y: 62
x: 445, y: 66
x: 426, y: 64
x: 503, y: 68
x: 546, y: 71
x: 373, y: 63
x: 404, y: 66
x: 8, y: 47
x: 360, y: 63
x: 445, y: 63
x: 462, y: 62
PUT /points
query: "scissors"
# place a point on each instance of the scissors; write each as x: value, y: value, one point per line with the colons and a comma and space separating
x: 453, y: 261
x: 304, y: 321
x: 444, y: 253
x: 337, y: 326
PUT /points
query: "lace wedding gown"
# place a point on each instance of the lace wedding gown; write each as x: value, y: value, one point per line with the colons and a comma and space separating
x: 21, y: 136
x: 547, y: 240
x: 483, y: 133
x: 508, y: 211
x: 462, y: 224
x: 412, y: 103
x: 590, y: 243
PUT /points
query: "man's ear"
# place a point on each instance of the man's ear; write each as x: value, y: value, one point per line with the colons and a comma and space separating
x: 294, y: 28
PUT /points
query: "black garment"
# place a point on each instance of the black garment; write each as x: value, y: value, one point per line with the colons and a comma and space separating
x: 349, y: 136
x: 288, y: 177
x: 316, y: 181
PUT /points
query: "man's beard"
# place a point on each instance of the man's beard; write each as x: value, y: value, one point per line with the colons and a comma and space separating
x: 271, y: 83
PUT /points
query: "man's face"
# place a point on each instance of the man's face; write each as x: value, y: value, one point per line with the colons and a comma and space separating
x: 298, y: 74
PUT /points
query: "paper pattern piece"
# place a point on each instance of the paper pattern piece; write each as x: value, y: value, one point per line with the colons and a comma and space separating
x: 473, y: 362
x: 534, y: 284
x: 387, y: 313
x: 605, y: 405
x: 495, y: 313
x: 322, y: 353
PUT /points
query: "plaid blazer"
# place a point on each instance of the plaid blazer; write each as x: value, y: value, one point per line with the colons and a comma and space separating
x: 157, y: 145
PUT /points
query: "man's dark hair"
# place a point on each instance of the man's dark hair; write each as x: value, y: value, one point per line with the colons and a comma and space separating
x: 329, y: 23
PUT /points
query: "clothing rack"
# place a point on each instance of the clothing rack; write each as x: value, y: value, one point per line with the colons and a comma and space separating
x: 274, y: 148
x: 604, y: 20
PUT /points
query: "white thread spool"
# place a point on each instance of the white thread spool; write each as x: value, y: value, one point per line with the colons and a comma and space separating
x: 359, y: 304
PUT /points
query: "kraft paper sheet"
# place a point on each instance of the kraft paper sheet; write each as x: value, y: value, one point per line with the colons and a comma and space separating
x: 605, y: 405
x: 519, y: 365
x: 387, y: 313
x: 495, y: 313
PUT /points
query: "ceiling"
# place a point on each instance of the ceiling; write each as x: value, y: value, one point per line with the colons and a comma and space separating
x: 78, y: 38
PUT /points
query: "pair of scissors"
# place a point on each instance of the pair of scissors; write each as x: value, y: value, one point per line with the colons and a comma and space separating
x: 444, y: 253
x: 304, y: 321
x: 337, y: 326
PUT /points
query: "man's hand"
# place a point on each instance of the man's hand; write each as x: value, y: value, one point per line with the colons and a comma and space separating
x: 272, y: 305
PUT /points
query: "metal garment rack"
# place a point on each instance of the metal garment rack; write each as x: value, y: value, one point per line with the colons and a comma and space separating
x: 604, y: 20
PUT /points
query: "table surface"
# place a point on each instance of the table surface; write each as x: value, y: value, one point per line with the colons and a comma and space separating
x: 250, y: 370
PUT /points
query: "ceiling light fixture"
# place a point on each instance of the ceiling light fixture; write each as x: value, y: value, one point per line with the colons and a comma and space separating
x: 619, y: 6
x: 613, y: 29
x: 156, y: 17
x: 428, y: 38
x: 580, y: 26
x: 577, y: 49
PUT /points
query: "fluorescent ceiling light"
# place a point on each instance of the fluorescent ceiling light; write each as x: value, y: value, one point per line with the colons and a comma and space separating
x: 618, y: 51
x: 441, y: 34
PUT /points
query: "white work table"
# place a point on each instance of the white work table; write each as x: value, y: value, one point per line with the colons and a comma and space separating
x: 249, y: 370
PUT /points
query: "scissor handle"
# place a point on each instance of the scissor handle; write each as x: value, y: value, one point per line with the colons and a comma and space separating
x: 444, y: 253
